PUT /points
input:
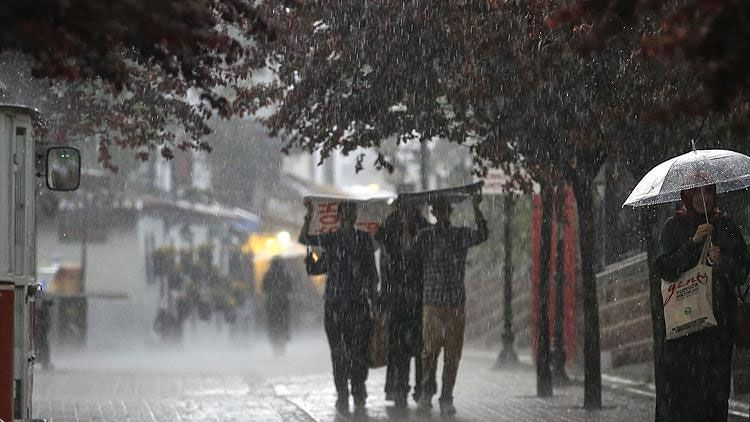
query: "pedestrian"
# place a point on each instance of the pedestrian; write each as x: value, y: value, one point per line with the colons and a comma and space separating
x: 443, y: 249
x: 350, y: 293
x: 277, y: 286
x: 695, y: 369
x: 401, y: 300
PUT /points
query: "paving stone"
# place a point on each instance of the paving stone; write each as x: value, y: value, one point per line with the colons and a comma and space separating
x: 481, y: 395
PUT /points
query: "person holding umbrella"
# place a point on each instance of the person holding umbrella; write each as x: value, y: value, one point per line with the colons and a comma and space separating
x: 696, y: 368
x: 692, y: 372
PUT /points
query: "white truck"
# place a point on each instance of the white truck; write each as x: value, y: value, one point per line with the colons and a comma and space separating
x: 20, y: 165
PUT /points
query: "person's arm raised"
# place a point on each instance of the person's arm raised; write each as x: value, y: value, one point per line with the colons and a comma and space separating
x: 303, y: 234
x: 483, y: 229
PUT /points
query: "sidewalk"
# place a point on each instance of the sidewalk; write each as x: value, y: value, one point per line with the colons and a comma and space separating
x: 482, y: 395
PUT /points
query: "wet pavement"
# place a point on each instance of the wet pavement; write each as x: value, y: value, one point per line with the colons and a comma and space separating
x: 231, y: 386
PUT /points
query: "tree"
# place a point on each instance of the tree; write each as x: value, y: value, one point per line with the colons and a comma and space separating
x: 699, y: 44
x: 482, y: 73
x: 129, y: 73
x: 87, y: 39
x: 709, y: 36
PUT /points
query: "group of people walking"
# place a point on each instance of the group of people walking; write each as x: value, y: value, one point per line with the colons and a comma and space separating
x: 419, y: 290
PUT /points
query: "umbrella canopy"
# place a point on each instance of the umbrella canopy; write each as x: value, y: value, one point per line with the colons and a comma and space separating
x: 728, y: 170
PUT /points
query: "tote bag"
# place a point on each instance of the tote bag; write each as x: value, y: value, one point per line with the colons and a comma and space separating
x: 688, y: 301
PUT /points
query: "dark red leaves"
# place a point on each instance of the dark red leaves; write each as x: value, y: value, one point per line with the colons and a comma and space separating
x: 76, y: 39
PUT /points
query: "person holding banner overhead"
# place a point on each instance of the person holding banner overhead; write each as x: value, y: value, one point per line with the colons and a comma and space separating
x: 351, y: 290
x: 443, y: 249
x: 694, y: 362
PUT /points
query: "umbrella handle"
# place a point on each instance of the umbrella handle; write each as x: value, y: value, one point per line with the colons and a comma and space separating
x: 704, y: 252
x: 705, y: 210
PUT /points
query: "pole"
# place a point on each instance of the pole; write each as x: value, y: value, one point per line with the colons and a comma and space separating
x: 508, y: 355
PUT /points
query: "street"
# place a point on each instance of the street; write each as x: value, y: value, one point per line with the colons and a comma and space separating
x: 250, y: 384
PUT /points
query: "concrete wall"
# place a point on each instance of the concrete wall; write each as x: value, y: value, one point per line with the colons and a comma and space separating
x: 625, y: 323
x: 624, y: 312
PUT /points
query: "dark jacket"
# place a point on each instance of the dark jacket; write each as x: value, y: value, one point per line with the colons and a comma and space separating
x: 401, y: 290
x: 695, y: 369
x: 352, y: 274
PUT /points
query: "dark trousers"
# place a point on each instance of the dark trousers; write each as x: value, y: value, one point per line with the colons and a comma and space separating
x: 696, y: 378
x: 348, y: 327
x: 404, y: 343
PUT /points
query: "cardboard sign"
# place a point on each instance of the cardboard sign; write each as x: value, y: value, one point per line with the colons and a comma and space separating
x: 371, y: 213
x: 453, y: 195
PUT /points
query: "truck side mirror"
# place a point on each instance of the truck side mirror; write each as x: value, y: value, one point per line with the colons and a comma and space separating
x: 63, y: 168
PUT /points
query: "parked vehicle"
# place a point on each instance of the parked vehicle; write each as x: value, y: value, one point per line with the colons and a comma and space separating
x: 18, y: 284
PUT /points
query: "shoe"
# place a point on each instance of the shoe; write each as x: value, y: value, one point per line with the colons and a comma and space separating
x: 401, y: 402
x: 342, y: 405
x: 447, y: 408
x: 424, y: 405
x: 359, y: 402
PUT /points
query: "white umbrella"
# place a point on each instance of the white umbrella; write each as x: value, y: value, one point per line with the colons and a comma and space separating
x: 728, y: 170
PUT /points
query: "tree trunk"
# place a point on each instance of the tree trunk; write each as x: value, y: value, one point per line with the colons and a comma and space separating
x: 558, y: 349
x: 543, y: 370
x: 592, y: 398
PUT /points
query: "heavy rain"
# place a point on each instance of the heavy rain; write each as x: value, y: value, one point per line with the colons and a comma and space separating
x: 327, y: 211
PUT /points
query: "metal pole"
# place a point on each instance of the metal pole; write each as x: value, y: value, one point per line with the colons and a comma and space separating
x: 508, y: 355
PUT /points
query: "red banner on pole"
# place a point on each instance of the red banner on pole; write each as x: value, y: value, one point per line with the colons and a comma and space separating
x: 570, y: 269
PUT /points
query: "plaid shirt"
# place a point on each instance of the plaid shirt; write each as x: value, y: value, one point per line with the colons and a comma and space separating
x: 443, y: 250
